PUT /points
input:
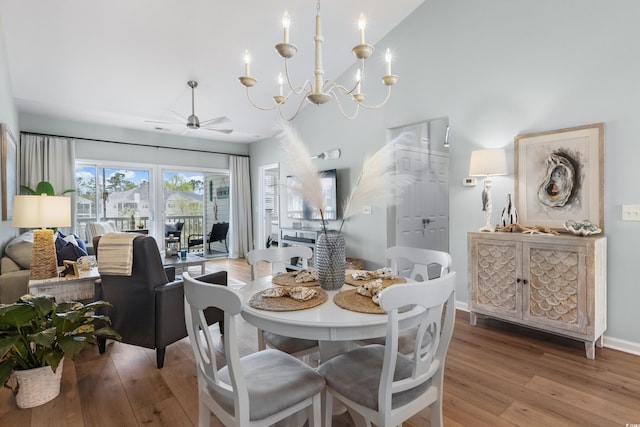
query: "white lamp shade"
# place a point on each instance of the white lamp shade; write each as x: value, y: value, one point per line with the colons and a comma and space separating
x: 488, y: 162
x: 41, y: 211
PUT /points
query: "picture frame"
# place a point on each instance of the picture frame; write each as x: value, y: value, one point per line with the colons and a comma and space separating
x: 9, y: 165
x: 559, y: 176
x: 71, y: 267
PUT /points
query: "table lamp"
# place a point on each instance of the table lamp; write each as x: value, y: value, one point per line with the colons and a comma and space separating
x: 487, y: 163
x: 42, y: 211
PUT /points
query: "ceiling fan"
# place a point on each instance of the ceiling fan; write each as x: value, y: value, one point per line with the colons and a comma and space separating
x: 193, y: 122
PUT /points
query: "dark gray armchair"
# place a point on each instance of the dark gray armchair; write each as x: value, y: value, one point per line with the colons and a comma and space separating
x: 148, y: 306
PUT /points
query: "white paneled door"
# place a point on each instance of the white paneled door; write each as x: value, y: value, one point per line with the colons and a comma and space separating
x: 423, y: 213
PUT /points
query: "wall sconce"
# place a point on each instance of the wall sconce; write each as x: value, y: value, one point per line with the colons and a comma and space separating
x: 329, y: 154
x: 488, y: 163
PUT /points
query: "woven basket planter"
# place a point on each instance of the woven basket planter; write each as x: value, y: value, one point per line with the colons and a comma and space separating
x: 37, y: 386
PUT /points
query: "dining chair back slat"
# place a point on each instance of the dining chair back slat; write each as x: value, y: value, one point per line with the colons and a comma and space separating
x: 422, y: 262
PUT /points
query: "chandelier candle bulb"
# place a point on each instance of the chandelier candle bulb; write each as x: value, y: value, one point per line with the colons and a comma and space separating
x: 286, y: 22
x: 387, y: 58
x: 280, y: 83
x: 247, y: 62
x: 362, y: 23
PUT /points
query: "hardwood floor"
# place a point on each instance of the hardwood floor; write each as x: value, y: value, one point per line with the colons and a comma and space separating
x: 496, y: 375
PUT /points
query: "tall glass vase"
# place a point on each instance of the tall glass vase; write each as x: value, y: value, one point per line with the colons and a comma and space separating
x: 330, y: 258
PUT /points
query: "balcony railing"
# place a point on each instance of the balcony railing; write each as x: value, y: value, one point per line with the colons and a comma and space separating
x: 192, y: 225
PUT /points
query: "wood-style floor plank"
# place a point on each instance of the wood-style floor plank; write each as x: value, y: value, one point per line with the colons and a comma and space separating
x: 496, y: 374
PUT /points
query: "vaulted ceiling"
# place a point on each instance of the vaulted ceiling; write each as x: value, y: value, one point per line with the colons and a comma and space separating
x: 127, y: 63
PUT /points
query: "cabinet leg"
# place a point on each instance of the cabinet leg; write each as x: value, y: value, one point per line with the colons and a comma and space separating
x: 600, y: 341
x: 590, y: 349
x: 473, y: 318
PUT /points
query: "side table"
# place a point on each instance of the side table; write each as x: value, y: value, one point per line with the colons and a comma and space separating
x: 68, y: 288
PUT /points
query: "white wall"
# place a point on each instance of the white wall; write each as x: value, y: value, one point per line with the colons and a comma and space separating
x: 499, y: 68
x: 9, y: 116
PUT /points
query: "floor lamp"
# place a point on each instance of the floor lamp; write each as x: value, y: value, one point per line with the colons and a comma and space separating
x: 487, y: 163
x: 42, y: 211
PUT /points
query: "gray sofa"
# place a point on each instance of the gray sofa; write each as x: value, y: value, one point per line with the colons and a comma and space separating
x: 15, y: 268
x: 15, y: 265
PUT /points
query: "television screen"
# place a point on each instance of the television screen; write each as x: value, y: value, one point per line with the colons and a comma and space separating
x: 298, y: 208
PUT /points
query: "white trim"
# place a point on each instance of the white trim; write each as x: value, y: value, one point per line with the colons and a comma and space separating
x: 622, y: 345
x: 608, y: 342
x: 260, y: 242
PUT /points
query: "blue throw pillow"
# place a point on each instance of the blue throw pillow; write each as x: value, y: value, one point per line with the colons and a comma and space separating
x: 67, y: 249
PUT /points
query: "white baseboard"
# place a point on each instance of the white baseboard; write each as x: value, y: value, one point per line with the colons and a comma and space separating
x: 622, y: 345
x: 608, y: 342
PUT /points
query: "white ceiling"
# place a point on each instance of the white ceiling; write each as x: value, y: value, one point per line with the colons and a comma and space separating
x: 122, y: 62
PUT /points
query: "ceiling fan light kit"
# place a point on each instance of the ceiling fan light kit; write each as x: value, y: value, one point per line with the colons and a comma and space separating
x: 320, y: 91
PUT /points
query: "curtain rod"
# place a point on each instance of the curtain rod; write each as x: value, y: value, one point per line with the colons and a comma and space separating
x: 135, y: 144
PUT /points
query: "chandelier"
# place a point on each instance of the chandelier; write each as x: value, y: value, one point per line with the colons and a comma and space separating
x: 320, y: 90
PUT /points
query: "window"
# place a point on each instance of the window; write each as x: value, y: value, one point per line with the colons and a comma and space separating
x: 113, y: 193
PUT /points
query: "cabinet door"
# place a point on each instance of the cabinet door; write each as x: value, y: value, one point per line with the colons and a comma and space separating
x: 554, y: 293
x: 494, y: 271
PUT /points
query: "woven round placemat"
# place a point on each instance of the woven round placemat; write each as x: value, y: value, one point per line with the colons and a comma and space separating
x: 349, y: 280
x: 289, y: 279
x: 286, y: 303
x: 352, y: 300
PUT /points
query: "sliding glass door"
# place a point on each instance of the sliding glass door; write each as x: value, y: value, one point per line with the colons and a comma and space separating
x: 183, y: 194
x: 111, y: 193
x: 158, y: 200
x: 197, y: 201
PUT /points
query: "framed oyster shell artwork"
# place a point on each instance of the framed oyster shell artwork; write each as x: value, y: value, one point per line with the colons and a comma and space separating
x: 559, y: 176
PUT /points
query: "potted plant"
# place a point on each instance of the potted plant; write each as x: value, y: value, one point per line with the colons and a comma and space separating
x: 35, y: 334
x: 43, y: 187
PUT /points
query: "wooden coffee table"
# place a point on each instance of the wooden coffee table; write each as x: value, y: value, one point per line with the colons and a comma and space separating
x: 69, y: 288
x: 182, y: 265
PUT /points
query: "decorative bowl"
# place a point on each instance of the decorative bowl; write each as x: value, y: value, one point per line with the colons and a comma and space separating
x: 584, y: 228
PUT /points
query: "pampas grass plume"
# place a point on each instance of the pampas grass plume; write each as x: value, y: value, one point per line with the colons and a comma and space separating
x: 306, y: 175
x: 378, y: 184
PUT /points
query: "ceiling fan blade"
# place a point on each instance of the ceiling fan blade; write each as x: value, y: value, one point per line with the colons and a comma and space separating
x: 218, y: 130
x: 179, y: 115
x: 221, y: 119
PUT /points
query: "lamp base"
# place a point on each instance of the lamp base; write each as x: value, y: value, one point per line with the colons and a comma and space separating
x: 488, y: 228
x: 44, y: 264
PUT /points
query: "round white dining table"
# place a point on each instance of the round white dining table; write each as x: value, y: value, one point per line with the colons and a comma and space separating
x: 334, y: 327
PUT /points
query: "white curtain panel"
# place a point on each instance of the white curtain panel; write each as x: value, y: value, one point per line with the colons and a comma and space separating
x: 240, y: 221
x: 49, y: 158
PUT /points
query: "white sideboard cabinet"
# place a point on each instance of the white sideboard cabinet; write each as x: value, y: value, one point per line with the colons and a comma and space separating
x: 556, y: 284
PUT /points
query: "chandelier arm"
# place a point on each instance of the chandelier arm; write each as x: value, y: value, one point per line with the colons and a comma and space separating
x: 300, y: 89
x: 373, y: 107
x: 287, y: 118
x: 345, y: 115
x: 259, y: 107
x: 342, y: 89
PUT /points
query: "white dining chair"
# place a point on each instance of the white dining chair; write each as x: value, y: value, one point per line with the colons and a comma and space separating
x: 380, y: 384
x: 259, y: 389
x: 278, y: 258
x: 422, y: 263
